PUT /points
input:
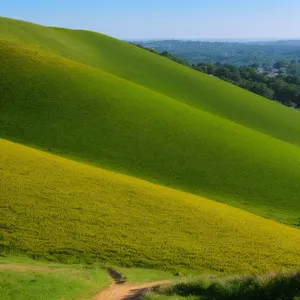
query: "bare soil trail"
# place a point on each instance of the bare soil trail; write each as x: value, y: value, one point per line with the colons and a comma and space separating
x: 128, y: 291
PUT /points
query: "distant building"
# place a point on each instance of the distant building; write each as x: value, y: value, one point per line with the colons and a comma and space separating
x: 260, y: 70
x: 273, y: 72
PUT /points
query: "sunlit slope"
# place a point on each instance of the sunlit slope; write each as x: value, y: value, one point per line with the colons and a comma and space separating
x: 160, y: 74
x: 67, y: 108
x: 60, y: 209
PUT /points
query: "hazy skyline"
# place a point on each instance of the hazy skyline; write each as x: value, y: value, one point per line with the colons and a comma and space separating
x: 190, y: 19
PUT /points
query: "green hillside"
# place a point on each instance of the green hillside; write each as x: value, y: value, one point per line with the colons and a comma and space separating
x: 84, y: 113
x: 25, y: 279
x: 63, y: 210
x: 159, y: 74
x: 271, y: 286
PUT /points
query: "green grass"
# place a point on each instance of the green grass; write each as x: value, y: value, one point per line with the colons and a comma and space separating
x: 131, y: 275
x: 89, y: 115
x: 152, y: 296
x: 31, y: 280
x: 85, y: 113
x: 60, y: 210
x: 159, y: 74
x: 275, y: 286
x: 94, y: 99
x: 144, y: 275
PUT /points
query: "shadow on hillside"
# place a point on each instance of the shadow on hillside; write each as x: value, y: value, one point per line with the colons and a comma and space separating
x: 116, y: 276
x: 136, y: 294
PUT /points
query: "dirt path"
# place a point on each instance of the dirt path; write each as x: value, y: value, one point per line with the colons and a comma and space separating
x: 116, y: 291
x: 127, y: 291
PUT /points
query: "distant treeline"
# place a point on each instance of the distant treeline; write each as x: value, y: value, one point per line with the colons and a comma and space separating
x: 284, y: 87
x: 237, y: 53
x: 166, y: 54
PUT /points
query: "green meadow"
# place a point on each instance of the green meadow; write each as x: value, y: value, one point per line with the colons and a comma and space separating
x: 83, y: 113
x: 25, y: 279
x: 112, y: 154
x: 158, y: 74
x: 62, y: 210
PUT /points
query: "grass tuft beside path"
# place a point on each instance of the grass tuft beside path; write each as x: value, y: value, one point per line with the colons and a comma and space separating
x: 275, y: 286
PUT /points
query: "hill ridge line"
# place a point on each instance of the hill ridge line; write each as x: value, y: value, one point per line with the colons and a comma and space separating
x: 179, y: 102
x: 140, y: 180
x: 59, y: 41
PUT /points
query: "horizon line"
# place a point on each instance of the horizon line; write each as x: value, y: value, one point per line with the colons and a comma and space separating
x: 266, y: 39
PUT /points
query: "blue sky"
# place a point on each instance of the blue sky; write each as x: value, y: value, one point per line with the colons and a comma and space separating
x: 147, y: 19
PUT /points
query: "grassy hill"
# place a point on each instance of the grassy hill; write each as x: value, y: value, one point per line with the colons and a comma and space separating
x: 63, y: 210
x: 87, y: 114
x: 106, y: 103
x: 159, y: 74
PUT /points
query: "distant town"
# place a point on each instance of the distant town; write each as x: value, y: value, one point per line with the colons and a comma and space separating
x: 271, y: 71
